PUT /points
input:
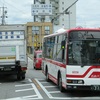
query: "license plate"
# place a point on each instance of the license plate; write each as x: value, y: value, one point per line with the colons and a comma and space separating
x: 96, y: 87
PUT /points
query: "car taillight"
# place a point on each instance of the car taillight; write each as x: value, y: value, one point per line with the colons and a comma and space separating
x: 24, y: 68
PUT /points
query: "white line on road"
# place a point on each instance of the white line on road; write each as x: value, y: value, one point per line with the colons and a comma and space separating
x: 54, y: 92
x: 30, y: 97
x: 49, y: 86
x: 29, y: 80
x: 22, y: 85
x: 24, y: 90
x: 37, y: 92
x: 48, y: 94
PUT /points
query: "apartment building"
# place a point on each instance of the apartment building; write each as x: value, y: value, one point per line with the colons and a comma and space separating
x: 67, y: 20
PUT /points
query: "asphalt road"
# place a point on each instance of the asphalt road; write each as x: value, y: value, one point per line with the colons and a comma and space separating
x: 35, y: 87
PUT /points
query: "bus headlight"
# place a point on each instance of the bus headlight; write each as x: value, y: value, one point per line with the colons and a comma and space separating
x: 75, y: 81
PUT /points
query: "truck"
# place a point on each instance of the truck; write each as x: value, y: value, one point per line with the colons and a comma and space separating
x: 13, y: 52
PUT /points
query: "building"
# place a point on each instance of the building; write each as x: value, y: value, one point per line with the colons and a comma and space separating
x: 35, y: 33
x: 67, y: 20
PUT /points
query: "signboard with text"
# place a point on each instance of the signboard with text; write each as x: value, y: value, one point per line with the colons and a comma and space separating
x: 41, y: 9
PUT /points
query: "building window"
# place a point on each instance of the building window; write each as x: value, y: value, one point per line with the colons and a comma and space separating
x: 62, y: 2
x: 6, y: 37
x: 12, y: 32
x: 62, y: 8
x: 0, y: 37
x: 0, y: 33
x: 18, y: 36
x: 35, y: 29
x: 12, y: 36
x: 47, y: 30
x: 6, y: 33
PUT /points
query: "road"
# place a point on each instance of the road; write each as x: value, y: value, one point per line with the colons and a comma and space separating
x: 35, y: 87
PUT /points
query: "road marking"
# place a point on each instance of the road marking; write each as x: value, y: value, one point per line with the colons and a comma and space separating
x: 22, y: 85
x: 37, y: 85
x: 49, y: 86
x: 31, y: 97
x: 54, y: 92
x: 29, y: 80
x: 49, y: 95
x: 36, y: 90
x: 36, y: 96
x: 24, y: 90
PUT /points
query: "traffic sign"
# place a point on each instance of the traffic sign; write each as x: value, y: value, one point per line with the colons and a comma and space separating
x: 41, y: 9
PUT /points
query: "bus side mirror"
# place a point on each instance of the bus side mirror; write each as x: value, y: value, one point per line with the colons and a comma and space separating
x: 63, y: 44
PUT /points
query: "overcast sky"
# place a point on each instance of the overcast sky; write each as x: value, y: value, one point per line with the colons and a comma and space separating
x: 19, y: 11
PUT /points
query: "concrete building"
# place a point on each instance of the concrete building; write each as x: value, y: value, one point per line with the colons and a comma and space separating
x: 67, y: 20
x: 35, y: 33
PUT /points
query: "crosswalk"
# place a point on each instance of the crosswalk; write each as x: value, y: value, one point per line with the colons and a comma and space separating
x: 26, y: 91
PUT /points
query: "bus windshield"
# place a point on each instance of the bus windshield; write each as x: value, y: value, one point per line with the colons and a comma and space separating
x: 84, y: 48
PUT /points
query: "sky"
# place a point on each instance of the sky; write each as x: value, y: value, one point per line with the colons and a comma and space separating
x: 19, y: 12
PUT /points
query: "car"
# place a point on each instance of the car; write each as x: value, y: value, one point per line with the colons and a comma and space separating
x: 37, y: 59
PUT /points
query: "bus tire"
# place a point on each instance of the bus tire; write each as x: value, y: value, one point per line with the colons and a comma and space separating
x: 47, y: 75
x: 60, y: 83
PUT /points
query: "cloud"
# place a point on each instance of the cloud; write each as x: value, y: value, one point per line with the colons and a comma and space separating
x: 88, y: 13
x: 19, y: 11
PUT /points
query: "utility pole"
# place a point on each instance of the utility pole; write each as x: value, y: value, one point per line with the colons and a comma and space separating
x: 4, y: 15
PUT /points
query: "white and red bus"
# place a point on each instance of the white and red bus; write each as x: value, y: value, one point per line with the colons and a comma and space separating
x: 71, y: 59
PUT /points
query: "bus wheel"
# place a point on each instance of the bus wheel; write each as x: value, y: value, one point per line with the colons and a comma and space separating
x: 60, y: 83
x: 47, y: 75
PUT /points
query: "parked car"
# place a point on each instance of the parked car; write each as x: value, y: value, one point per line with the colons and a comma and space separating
x: 37, y: 59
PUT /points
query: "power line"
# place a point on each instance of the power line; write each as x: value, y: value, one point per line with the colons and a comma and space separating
x: 18, y: 9
x: 64, y: 12
x: 14, y: 7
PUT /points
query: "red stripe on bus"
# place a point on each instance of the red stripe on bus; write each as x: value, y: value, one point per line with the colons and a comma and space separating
x: 55, y: 63
x: 83, y: 75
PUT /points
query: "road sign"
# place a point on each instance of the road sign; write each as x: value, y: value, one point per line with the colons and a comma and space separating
x: 41, y: 9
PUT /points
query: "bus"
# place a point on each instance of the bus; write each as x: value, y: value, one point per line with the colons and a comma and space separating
x: 71, y: 58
